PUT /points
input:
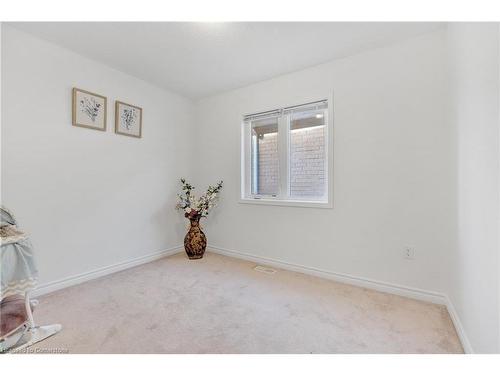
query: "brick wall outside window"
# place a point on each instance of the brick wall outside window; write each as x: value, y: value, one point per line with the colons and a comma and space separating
x: 268, y: 164
x: 307, y: 159
x: 307, y: 169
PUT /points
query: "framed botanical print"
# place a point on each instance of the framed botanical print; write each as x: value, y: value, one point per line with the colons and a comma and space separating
x: 89, y: 110
x: 128, y: 119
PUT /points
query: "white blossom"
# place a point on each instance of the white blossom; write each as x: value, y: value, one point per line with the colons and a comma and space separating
x: 202, y: 205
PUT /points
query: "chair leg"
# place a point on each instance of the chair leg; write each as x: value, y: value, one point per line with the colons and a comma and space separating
x: 27, y: 305
x: 30, y: 333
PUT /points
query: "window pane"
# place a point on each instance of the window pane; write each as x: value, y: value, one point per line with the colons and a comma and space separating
x: 264, y: 158
x: 307, y: 154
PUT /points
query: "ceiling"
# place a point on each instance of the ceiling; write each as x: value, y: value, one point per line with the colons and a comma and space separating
x: 202, y: 59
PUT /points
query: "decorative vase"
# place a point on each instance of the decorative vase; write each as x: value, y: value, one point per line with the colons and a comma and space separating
x: 195, y: 241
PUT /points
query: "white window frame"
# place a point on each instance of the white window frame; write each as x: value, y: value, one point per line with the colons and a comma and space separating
x: 281, y: 199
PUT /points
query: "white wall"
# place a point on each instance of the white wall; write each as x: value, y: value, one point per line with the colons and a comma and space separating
x: 88, y: 198
x: 393, y: 168
x: 474, y: 68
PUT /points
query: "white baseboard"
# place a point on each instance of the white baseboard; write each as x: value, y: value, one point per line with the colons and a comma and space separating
x: 459, y: 327
x: 382, y: 286
x: 86, y: 276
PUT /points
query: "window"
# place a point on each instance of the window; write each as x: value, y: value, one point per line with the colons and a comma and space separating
x: 285, y: 156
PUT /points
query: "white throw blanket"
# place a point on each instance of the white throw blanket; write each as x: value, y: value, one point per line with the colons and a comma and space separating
x: 18, y: 273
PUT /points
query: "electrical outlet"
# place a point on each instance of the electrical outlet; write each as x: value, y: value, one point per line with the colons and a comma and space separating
x: 409, y: 253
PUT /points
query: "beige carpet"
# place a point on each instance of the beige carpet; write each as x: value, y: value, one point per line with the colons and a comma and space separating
x: 221, y: 305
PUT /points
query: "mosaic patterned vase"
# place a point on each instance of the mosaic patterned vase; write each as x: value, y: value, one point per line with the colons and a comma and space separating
x: 195, y: 241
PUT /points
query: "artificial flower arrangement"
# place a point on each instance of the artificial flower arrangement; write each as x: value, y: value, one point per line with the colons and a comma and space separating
x: 195, y: 208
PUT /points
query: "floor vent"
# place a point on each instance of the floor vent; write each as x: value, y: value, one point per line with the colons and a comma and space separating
x: 263, y: 269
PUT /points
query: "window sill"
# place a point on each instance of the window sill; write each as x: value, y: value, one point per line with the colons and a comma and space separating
x: 289, y: 202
